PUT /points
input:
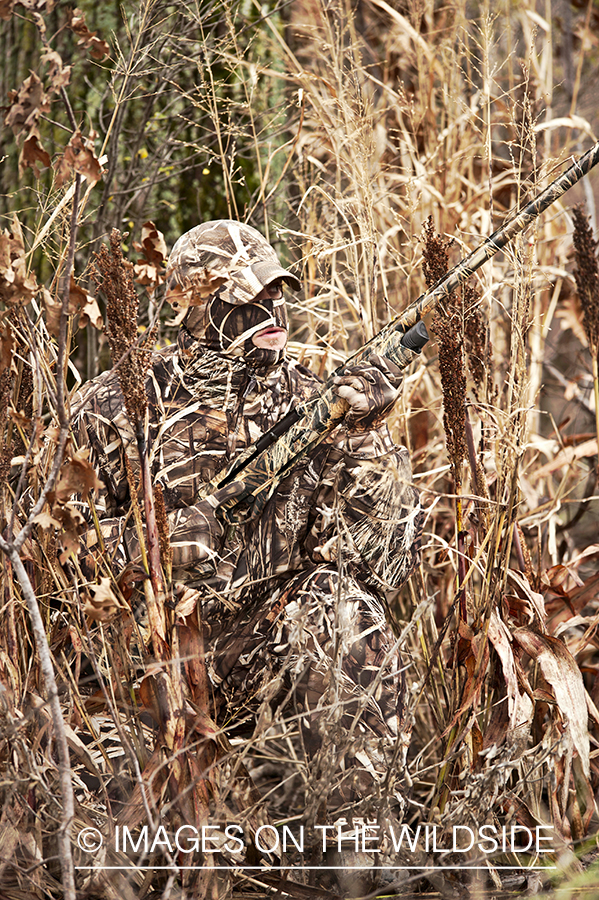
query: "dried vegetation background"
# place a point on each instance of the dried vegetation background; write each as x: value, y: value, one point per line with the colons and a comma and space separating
x: 375, y: 144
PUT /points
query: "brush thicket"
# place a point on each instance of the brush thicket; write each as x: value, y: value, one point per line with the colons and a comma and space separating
x: 340, y: 133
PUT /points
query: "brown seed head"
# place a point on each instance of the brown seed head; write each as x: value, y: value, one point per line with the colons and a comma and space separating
x: 112, y: 274
x: 448, y: 327
x: 586, y: 275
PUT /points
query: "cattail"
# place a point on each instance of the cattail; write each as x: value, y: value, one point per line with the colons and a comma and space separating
x: 166, y: 551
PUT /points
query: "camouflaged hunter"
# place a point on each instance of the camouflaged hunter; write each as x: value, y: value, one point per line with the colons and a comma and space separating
x: 292, y: 596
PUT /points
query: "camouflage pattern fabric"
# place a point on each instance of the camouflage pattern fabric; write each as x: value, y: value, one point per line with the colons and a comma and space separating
x: 292, y: 599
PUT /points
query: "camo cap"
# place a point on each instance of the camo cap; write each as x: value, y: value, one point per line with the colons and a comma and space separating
x: 225, y: 256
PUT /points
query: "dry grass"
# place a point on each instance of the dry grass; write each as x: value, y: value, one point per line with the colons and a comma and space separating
x: 339, y: 136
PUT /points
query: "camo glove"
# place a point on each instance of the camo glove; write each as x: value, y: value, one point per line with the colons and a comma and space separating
x: 197, y: 531
x: 371, y: 389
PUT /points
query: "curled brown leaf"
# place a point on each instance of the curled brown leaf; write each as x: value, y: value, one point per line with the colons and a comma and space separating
x: 68, y: 522
x: 33, y: 153
x: 77, y: 476
x: 59, y: 74
x: 78, y: 157
x: 88, y: 39
x: 561, y: 671
x: 149, y: 270
x: 101, y: 603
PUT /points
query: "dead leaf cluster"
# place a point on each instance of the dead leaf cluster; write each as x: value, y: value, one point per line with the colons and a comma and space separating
x: 88, y: 39
x: 17, y: 284
x: 76, y: 477
x: 149, y: 270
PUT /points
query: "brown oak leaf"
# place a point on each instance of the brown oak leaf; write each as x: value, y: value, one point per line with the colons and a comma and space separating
x: 149, y: 270
x: 59, y: 74
x: 69, y: 523
x: 90, y: 314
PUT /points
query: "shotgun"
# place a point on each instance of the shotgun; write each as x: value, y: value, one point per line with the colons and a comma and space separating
x: 264, y: 463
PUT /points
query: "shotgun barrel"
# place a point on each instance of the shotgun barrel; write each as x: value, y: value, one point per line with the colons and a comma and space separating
x: 263, y: 464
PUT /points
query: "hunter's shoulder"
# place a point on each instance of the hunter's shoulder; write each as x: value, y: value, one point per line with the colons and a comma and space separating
x: 103, y: 395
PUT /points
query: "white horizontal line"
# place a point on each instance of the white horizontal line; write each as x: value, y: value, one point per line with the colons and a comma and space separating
x: 318, y: 868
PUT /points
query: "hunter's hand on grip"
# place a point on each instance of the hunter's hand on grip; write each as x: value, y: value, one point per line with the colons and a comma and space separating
x: 371, y: 389
x: 197, y: 531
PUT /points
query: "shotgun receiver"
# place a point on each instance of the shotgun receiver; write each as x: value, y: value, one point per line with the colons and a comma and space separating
x: 263, y: 464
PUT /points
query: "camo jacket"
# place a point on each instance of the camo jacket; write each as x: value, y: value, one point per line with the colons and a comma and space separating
x: 351, y: 500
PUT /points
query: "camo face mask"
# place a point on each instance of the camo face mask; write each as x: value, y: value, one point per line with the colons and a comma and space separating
x: 255, y: 332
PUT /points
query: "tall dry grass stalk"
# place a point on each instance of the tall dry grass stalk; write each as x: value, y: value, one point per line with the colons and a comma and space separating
x: 339, y: 131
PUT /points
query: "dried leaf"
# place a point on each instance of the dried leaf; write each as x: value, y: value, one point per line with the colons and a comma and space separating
x: 79, y: 302
x: 99, y: 48
x: 59, y: 74
x: 16, y: 285
x: 33, y: 153
x: 501, y: 639
x: 40, y: 6
x: 77, y: 296
x: 200, y: 286
x: 78, y: 157
x: 77, y: 476
x: 149, y: 271
x: 101, y: 603
x: 26, y: 106
x: 147, y: 274
x: 53, y: 308
x: 131, y: 575
x: 153, y: 245
x: 80, y: 750
x: 6, y: 9
x: 534, y: 601
x: 20, y: 419
x: 6, y: 347
x: 570, y: 315
x: 187, y: 601
x: 46, y: 520
x: 69, y: 523
x: 90, y: 314
x: 560, y: 670
x: 566, y: 457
